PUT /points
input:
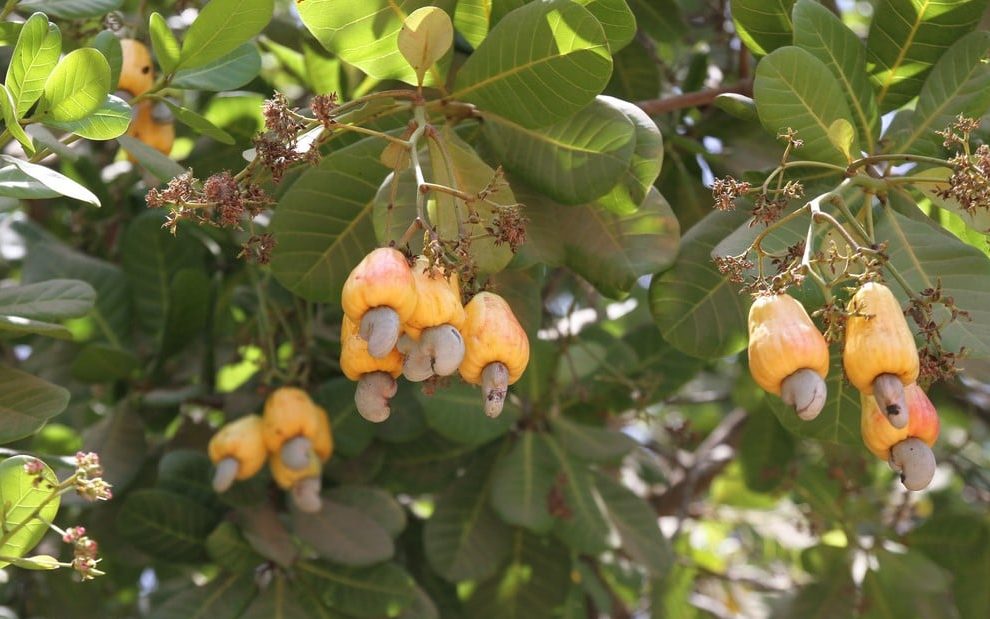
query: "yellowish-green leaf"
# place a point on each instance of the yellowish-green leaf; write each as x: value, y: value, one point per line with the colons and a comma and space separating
x: 426, y: 35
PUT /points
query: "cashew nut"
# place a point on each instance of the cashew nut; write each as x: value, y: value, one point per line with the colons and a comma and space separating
x: 417, y: 366
x: 306, y: 494
x: 494, y: 387
x: 380, y: 327
x: 889, y: 394
x: 372, y: 395
x: 295, y: 452
x: 225, y: 474
x: 804, y: 390
x: 406, y: 344
x: 916, y: 462
x: 444, y: 345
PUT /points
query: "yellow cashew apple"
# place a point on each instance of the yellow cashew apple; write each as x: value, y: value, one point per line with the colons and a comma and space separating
x: 380, y: 296
x: 496, y: 348
x: 237, y: 450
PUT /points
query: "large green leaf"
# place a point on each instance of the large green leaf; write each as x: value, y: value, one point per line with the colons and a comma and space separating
x: 26, y: 403
x: 617, y: 21
x: 35, y: 55
x: 698, y: 311
x: 21, y: 493
x: 108, y: 121
x: 959, y: 84
x: 644, y: 167
x: 163, y: 43
x: 660, y: 19
x: 77, y: 86
x: 34, y: 308
x: 763, y: 25
x: 72, y: 9
x: 228, y: 547
x: 455, y: 412
x: 374, y: 502
x: 521, y: 483
x: 960, y: 543
x: 109, y: 45
x: 221, y: 27
x: 158, y: 165
x: 188, y: 309
x: 609, y: 250
x: 464, y: 539
x: 352, y: 433
x: 797, y: 90
x: 224, y: 597
x: 343, y: 534
x: 907, y: 585
x: 637, y: 524
x: 541, y: 63
x: 228, y: 72
x: 591, y: 443
x: 382, y: 590
x: 573, y: 161
x: 198, y: 123
x: 16, y: 184
x: 471, y: 19
x: 364, y: 32
x: 120, y: 440
x: 821, y: 32
x: 50, y: 179
x: 323, y: 223
x: 765, y: 449
x: 166, y: 525
x: 907, y: 37
x: 11, y: 122
x: 581, y: 522
x: 635, y: 76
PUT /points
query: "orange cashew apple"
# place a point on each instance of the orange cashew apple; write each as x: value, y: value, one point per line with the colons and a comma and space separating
x: 137, y: 73
x: 237, y: 450
x: 375, y: 376
x: 380, y: 295
x: 788, y: 356
x: 432, y: 341
x: 294, y: 426
x: 496, y: 349
x: 880, y: 356
x: 907, y: 449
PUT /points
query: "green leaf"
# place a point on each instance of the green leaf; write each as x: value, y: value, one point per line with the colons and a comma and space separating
x: 574, y: 160
x: 228, y: 72
x: 427, y: 464
x: 323, y: 222
x: 960, y: 543
x: 277, y: 601
x: 660, y: 19
x: 225, y: 597
x: 10, y: 120
x: 158, y: 165
x: 188, y: 309
x: 73, y: 9
x: 831, y: 595
x: 589, y: 442
x: 220, y: 28
x: 907, y: 37
x: 637, y: 524
x: 198, y: 123
x: 797, y: 90
x: 34, y: 308
x: 464, y: 539
x: 521, y: 483
x: 374, y: 502
x: 21, y: 494
x: 164, y: 43
x: 35, y: 55
x: 821, y: 32
x: 617, y: 21
x: 109, y: 45
x: 763, y: 25
x: 456, y: 413
x: 323, y: 71
x: 609, y: 250
x: 188, y: 472
x: 959, y: 84
x: 77, y: 86
x: 109, y: 121
x: 62, y: 185
x: 9, y: 31
x: 120, y: 440
x: 343, y: 535
x: 541, y: 63
x: 38, y: 562
x: 266, y: 533
x: 471, y: 19
x: 166, y: 525
x: 635, y: 76
x: 907, y: 585
x: 364, y: 33
x: 427, y: 34
x: 738, y: 106
x: 765, y: 450
x: 926, y: 255
x: 382, y: 590
x: 228, y: 548
x: 581, y: 522
x: 16, y: 184
x: 698, y: 311
x: 647, y: 159
x: 352, y: 433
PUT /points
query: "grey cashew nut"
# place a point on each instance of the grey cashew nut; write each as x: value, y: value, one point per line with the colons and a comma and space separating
x: 888, y: 391
x: 444, y: 345
x: 417, y: 367
x: 494, y: 387
x: 306, y: 494
x: 805, y: 391
x: 295, y: 452
x: 225, y: 474
x: 406, y: 344
x: 380, y: 327
x: 915, y: 461
x: 373, y: 393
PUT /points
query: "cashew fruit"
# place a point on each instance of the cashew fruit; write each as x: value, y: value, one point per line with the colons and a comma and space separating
x: 375, y: 376
x: 493, y: 337
x: 907, y: 449
x: 237, y: 450
x: 294, y: 426
x: 379, y: 295
x: 137, y: 73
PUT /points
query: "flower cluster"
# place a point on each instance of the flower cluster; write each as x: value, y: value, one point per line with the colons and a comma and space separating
x: 89, y: 482
x: 726, y: 190
x: 936, y: 362
x: 277, y: 148
x: 85, y: 549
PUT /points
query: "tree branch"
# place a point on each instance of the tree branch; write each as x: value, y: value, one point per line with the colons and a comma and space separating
x: 693, y: 99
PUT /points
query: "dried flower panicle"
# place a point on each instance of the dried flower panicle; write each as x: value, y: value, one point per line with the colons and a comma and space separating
x: 726, y: 190
x: 936, y: 362
x: 733, y: 268
x: 323, y: 107
x: 219, y: 201
x: 277, y: 149
x: 508, y: 226
x: 258, y: 248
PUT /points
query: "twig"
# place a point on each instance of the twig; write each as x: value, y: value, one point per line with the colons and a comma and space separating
x: 693, y: 99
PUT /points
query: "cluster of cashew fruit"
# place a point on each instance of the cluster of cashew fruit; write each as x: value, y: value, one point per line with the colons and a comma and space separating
x: 789, y: 357
x: 410, y: 321
x: 293, y: 434
x: 151, y: 123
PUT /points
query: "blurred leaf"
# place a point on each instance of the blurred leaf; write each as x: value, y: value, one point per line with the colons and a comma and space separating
x: 221, y: 27
x: 699, y: 312
x: 427, y: 464
x: 166, y: 525
x: 160, y: 166
x: 763, y: 25
x: 343, y: 535
x: 119, y: 439
x: 34, y: 308
x: 28, y: 505
x: 671, y: 594
x: 198, y: 123
x: 35, y: 55
x: 522, y: 480
x: 580, y: 514
x: 765, y: 450
x: 464, y: 539
x: 187, y: 311
x: 456, y: 413
x: 635, y: 76
x: 323, y: 71
x: 660, y: 19
x: 225, y: 597
x: 907, y: 38
x: 739, y: 106
x: 589, y: 442
x: 109, y: 45
x: 26, y: 403
x: 352, y: 433
x: 265, y: 533
x: 77, y: 86
x: 906, y: 585
x: 164, y: 43
x: 553, y: 51
x: 277, y: 601
x: 637, y: 524
x: 959, y: 543
x: 228, y: 549
x: 359, y: 591
x: 232, y: 70
x: 100, y: 363
x: 188, y: 472
x: 108, y: 121
x: 72, y: 9
x: 60, y: 184
x: 373, y: 502
x: 10, y: 121
x: 830, y: 595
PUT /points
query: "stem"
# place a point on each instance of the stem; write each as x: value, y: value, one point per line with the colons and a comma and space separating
x: 865, y: 161
x: 756, y: 245
x: 372, y: 132
x: 8, y: 8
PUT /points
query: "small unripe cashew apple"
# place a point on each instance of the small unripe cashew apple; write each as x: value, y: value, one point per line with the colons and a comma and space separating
x: 434, y: 325
x: 496, y: 349
x: 380, y: 296
x: 237, y: 450
x: 144, y: 127
x: 880, y: 356
x: 296, y: 427
x: 375, y: 376
x: 906, y: 449
x: 788, y: 356
x: 304, y: 484
x: 137, y: 73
